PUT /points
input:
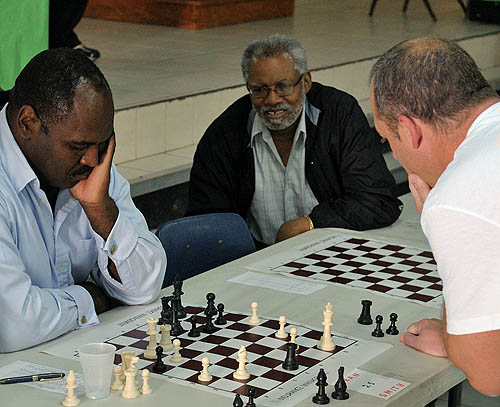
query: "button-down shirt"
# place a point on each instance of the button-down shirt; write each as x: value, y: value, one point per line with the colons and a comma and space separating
x: 43, y: 254
x: 282, y: 193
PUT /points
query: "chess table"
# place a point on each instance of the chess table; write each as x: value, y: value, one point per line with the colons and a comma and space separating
x: 430, y: 377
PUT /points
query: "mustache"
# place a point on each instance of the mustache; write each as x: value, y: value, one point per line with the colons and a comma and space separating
x: 82, y: 171
x: 280, y: 106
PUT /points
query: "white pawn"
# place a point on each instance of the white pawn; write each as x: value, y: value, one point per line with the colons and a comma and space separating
x: 241, y: 373
x: 146, y: 388
x: 166, y: 342
x: 254, y: 319
x: 281, y: 333
x: 117, y: 383
x: 71, y: 400
x: 205, y: 376
x: 177, y: 357
x: 326, y: 341
x: 130, y: 390
x: 293, y: 335
x: 151, y: 349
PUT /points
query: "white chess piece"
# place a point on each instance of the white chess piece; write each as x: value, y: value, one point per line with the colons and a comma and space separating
x: 177, y: 357
x: 130, y: 390
x: 146, y: 388
x: 326, y: 341
x: 241, y: 373
x: 166, y: 342
x: 293, y: 334
x: 117, y: 383
x: 71, y: 400
x: 152, y: 331
x: 281, y: 333
x: 254, y: 319
x: 126, y: 355
x: 205, y: 376
x: 133, y: 361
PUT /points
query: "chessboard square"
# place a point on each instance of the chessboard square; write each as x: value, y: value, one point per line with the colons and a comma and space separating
x: 410, y: 275
x: 421, y: 283
x: 354, y: 252
x: 295, y: 372
x: 122, y: 340
x: 180, y: 373
x: 261, y: 330
x: 380, y: 275
x: 325, y: 264
x: 316, y: 354
x: 352, y: 276
x: 360, y: 284
x: 399, y: 279
x: 306, y: 342
x: 257, y: 370
x: 238, y: 326
x: 418, y: 259
x: 243, y: 390
x: 437, y: 287
x: 295, y: 264
x: 192, y: 364
x: 136, y: 333
x: 234, y: 317
x: 364, y: 259
x: 140, y: 345
x: 277, y: 354
x: 400, y: 293
x: 400, y: 266
x: 237, y: 343
x: 279, y: 375
x: 315, y: 256
x: 353, y: 263
x: 142, y: 363
x: 390, y: 259
x: 316, y: 335
x: 371, y: 279
x: 431, y: 292
x: 258, y: 349
x: 371, y: 267
x: 382, y: 252
x: 211, y: 356
x: 189, y: 353
x: 308, y: 260
x: 313, y: 269
x: 200, y: 346
x: 421, y: 297
x: 228, y: 363
x: 270, y: 323
x: 342, y: 267
x: 326, y: 275
x: 303, y: 273
x: 271, y: 342
x: 331, y: 257
x: 265, y: 361
x: 264, y: 383
x: 215, y: 339
x: 228, y: 385
x: 228, y: 333
x: 342, y: 342
x: 379, y: 288
x: 219, y: 371
x: 430, y: 278
x: 306, y: 361
x: 428, y: 266
x: 393, y: 283
x: 249, y: 337
x: 223, y: 350
x: 340, y: 280
x: 194, y: 379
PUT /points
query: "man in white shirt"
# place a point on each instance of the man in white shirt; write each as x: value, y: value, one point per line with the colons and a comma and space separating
x: 65, y: 212
x: 442, y: 120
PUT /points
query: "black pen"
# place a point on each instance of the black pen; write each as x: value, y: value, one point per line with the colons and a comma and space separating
x: 42, y: 377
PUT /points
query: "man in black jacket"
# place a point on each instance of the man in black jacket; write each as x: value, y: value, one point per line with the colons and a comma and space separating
x: 287, y: 162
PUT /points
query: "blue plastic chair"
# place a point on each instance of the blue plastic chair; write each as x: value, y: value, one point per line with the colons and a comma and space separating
x: 195, y: 244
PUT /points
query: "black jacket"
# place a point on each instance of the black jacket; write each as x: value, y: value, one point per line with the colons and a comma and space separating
x: 344, y: 166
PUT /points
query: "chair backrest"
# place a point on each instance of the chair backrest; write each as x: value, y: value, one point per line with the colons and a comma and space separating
x: 195, y: 244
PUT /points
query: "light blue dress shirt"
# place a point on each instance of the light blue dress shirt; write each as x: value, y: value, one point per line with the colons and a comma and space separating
x: 43, y: 254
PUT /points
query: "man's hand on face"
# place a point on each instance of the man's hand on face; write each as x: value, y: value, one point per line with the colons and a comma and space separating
x: 292, y: 228
x: 426, y: 336
x: 419, y: 190
x: 94, y: 189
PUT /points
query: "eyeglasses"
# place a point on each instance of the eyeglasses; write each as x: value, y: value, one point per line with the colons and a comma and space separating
x: 281, y: 89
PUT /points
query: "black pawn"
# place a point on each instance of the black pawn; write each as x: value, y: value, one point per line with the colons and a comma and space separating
x: 393, y: 330
x: 377, y: 332
x: 340, y: 392
x: 159, y: 366
x: 176, y: 325
x: 238, y: 402
x: 193, y: 333
x: 365, y: 318
x: 211, y: 305
x: 290, y: 362
x: 166, y: 311
x: 321, y: 397
x: 209, y: 326
x: 221, y: 320
x: 251, y: 396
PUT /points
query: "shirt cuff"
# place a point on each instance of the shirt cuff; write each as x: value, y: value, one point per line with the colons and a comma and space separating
x: 84, y: 305
x: 122, y: 239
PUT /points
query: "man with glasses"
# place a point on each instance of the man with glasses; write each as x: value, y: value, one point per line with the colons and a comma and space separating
x: 292, y: 155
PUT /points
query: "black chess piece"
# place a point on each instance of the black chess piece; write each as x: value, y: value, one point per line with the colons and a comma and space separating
x: 159, y: 366
x: 365, y: 318
x: 221, y: 320
x: 209, y: 326
x: 238, y: 402
x: 211, y: 305
x: 392, y: 329
x: 290, y: 362
x: 340, y: 392
x: 166, y: 311
x: 177, y: 283
x: 251, y: 396
x: 176, y: 325
x: 377, y: 332
x: 321, y: 397
x: 194, y: 332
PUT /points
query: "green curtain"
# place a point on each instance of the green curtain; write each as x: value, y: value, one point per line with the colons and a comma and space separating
x: 24, y: 32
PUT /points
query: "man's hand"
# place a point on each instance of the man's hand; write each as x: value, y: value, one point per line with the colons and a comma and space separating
x: 419, y: 190
x: 292, y: 228
x: 102, y: 302
x: 426, y: 336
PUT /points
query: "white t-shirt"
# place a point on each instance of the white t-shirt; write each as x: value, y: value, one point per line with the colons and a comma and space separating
x: 461, y: 219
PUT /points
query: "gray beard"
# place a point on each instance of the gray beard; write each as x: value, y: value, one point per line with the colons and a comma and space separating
x: 285, y: 123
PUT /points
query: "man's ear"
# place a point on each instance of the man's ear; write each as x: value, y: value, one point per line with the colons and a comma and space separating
x: 28, y: 122
x: 413, y: 128
x: 307, y: 81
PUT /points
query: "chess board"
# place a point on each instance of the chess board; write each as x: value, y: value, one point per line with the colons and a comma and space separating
x: 391, y: 269
x: 274, y: 385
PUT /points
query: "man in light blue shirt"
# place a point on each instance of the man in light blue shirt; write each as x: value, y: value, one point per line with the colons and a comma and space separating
x: 65, y: 212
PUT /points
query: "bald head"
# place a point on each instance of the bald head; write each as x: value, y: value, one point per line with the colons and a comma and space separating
x: 431, y: 79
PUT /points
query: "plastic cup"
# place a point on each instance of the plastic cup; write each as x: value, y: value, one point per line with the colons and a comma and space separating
x: 97, y: 364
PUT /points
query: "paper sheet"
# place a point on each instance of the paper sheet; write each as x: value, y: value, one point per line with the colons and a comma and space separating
x: 22, y: 368
x: 278, y: 283
x: 373, y: 384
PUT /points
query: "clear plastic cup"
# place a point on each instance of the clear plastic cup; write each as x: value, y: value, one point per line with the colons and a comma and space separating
x: 97, y: 364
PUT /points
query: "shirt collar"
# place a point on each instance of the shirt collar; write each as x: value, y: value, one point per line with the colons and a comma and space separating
x: 12, y: 158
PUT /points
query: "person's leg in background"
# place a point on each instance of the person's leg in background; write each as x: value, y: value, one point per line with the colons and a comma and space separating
x: 64, y: 15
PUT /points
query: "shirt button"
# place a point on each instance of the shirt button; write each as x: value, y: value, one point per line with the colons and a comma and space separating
x: 113, y: 250
x: 84, y: 319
